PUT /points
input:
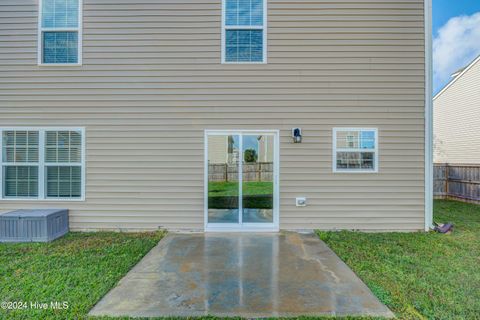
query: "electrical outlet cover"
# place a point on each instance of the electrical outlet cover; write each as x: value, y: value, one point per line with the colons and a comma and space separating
x: 301, y: 202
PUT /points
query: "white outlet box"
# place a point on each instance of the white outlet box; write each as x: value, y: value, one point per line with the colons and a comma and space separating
x: 301, y: 202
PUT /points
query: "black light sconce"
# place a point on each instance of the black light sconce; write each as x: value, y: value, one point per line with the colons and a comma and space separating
x: 297, y: 135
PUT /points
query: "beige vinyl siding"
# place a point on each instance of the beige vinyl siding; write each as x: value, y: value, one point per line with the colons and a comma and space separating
x: 457, y: 120
x: 152, y: 82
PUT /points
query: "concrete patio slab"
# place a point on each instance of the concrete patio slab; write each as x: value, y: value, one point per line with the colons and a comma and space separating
x: 247, y: 275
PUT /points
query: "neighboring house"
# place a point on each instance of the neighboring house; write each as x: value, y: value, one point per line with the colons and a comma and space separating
x: 219, y: 153
x: 264, y: 146
x: 107, y: 107
x: 456, y: 111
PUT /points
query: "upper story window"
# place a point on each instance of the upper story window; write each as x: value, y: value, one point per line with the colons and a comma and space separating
x: 42, y: 163
x: 59, y: 34
x: 244, y: 31
x: 355, y: 150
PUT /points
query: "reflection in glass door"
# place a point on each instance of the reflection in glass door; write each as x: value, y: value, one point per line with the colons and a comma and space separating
x: 241, y: 180
x: 223, y: 188
x: 257, y: 179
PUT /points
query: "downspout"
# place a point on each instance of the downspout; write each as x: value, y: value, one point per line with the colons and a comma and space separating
x: 428, y: 117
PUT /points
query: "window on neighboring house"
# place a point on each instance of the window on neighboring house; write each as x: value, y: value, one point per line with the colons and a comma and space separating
x: 244, y: 31
x: 60, y: 31
x: 355, y: 150
x: 42, y: 163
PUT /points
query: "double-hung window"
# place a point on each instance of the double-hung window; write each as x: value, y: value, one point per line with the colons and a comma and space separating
x: 244, y: 34
x: 60, y: 32
x: 355, y: 150
x: 42, y: 163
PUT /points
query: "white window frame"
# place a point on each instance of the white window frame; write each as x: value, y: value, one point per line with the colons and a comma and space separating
x: 41, y: 30
x: 42, y: 166
x: 335, y: 150
x: 263, y: 28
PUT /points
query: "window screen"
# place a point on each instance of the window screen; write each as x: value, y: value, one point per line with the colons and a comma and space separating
x: 60, y: 47
x: 21, y: 181
x: 63, y: 182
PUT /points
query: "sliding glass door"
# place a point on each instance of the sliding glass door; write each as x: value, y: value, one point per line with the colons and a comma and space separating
x: 241, y: 180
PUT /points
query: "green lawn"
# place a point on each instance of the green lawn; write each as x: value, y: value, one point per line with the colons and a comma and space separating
x: 420, y: 275
x: 256, y: 194
x: 221, y: 189
x: 79, y: 269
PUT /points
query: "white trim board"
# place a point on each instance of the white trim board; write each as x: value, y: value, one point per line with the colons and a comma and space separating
x: 428, y: 196
x: 465, y: 70
x: 244, y: 227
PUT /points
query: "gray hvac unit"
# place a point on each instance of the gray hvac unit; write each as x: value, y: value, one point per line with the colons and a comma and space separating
x: 40, y: 225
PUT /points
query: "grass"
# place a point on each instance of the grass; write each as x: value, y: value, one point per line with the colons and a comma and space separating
x: 222, y: 189
x: 256, y: 194
x: 79, y: 268
x: 420, y: 275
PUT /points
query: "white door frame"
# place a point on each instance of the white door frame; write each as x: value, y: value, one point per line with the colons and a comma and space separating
x: 244, y: 227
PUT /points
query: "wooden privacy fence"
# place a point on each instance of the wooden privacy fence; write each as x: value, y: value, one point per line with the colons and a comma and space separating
x: 222, y: 172
x: 457, y: 181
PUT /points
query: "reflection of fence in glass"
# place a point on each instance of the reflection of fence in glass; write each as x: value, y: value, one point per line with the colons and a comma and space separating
x: 257, y: 185
x: 460, y: 182
x: 222, y: 172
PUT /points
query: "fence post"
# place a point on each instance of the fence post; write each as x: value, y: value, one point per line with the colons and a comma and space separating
x: 447, y: 179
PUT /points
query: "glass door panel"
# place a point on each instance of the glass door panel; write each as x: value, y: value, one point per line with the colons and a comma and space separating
x: 223, y: 178
x: 257, y: 178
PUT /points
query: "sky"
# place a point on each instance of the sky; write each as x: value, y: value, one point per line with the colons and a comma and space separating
x: 456, y: 37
